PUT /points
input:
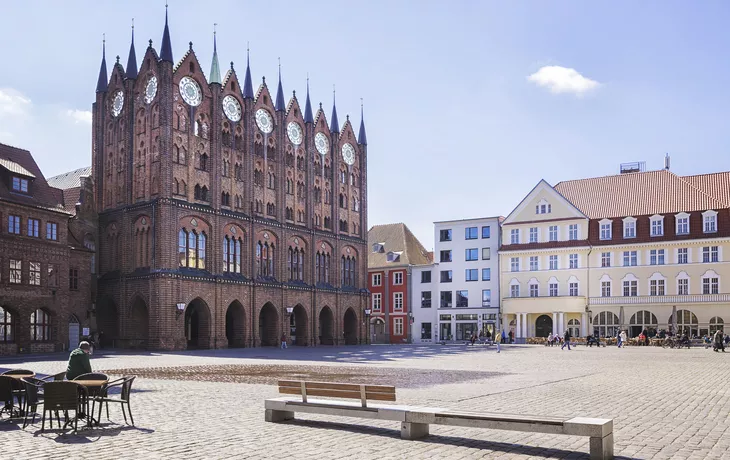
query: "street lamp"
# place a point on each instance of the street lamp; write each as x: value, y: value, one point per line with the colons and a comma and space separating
x: 410, y: 327
x: 367, y: 319
x: 180, y: 307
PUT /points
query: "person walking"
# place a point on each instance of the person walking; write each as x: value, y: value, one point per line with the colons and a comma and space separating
x: 283, y: 341
x: 719, y: 344
x: 567, y: 338
x: 619, y: 339
x: 504, y: 336
x: 623, y: 338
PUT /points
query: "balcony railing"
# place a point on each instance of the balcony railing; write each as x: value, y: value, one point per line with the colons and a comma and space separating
x: 693, y: 298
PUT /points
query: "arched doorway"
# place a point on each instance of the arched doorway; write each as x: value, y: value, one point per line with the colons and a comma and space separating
x: 298, y: 326
x: 350, y: 327
x: 74, y: 332
x: 138, y: 324
x: 643, y: 320
x: 197, y: 324
x: 235, y: 325
x: 268, y: 326
x: 326, y: 327
x: 543, y: 326
x: 377, y: 330
x: 107, y: 322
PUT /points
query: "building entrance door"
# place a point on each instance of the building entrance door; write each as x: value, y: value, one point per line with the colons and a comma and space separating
x: 73, y: 332
x: 445, y: 331
x: 543, y: 326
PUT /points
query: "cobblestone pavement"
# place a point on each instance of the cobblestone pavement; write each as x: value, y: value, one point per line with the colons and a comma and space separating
x: 665, y: 404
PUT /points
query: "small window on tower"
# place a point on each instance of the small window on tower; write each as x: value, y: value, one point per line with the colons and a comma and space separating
x: 233, y: 86
x: 192, y: 67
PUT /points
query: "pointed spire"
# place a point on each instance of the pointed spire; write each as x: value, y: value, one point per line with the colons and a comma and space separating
x: 132, y: 60
x: 334, y: 124
x: 362, y: 139
x: 101, y: 84
x: 166, y: 50
x: 280, y: 105
x: 308, y: 118
x: 247, y: 84
x: 215, y: 73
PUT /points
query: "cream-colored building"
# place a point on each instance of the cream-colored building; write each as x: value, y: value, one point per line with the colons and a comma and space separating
x: 634, y: 251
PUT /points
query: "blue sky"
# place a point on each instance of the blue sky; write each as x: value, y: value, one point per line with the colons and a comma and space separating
x: 468, y: 104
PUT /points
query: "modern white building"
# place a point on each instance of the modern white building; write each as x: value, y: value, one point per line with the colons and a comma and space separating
x: 458, y: 295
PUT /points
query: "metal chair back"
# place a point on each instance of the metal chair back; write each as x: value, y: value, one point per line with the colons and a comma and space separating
x: 92, y: 376
x: 33, y: 388
x: 127, y: 386
x: 61, y: 396
x: 6, y: 389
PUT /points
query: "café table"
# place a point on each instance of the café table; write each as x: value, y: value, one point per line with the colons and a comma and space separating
x: 19, y: 392
x: 93, y: 387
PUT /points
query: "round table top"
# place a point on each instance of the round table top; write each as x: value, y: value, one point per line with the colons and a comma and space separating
x: 19, y: 376
x: 91, y: 383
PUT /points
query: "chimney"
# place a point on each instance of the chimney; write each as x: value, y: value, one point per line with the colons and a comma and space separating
x: 666, y: 162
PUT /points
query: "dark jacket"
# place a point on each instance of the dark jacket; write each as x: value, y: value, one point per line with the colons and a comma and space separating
x: 78, y: 364
x: 566, y: 336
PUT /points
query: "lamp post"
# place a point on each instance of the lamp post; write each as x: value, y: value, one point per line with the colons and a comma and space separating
x: 410, y: 327
x: 289, y: 311
x: 367, y: 320
x: 180, y: 307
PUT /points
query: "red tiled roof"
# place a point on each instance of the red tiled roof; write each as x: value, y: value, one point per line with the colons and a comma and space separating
x: 395, y: 238
x: 43, y: 195
x: 643, y: 193
x: 716, y: 185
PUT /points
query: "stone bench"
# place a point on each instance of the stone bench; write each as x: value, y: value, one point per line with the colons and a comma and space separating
x: 415, y: 421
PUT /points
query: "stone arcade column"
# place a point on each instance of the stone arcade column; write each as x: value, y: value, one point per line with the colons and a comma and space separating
x: 555, y: 322
x: 561, y: 323
x: 518, y: 330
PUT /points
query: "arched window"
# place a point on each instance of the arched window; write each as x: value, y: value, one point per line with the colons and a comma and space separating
x: 40, y: 326
x: 204, y: 193
x: 643, y: 320
x: 574, y: 327
x: 232, y: 254
x: 687, y: 323
x: 191, y: 249
x: 300, y: 265
x: 198, y: 128
x: 272, y: 181
x: 201, y: 250
x: 605, y: 324
x: 204, y: 161
x: 259, y: 251
x: 6, y: 326
x: 716, y: 324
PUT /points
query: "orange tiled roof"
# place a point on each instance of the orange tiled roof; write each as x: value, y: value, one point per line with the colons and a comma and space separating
x: 645, y: 193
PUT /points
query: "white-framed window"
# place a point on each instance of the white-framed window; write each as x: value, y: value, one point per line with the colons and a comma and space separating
x: 486, y: 297
x: 533, y: 234
x: 514, y: 236
x: 398, y: 278
x: 710, y: 254
x: 630, y: 258
x: 657, y: 225
x: 631, y: 288
x: 377, y: 279
x: 682, y: 223
x: 553, y: 233
x: 710, y: 285
x: 656, y: 257
x: 683, y: 286
x: 16, y: 271
x: 553, y: 262
x: 656, y: 287
x: 573, y: 232
x: 573, y: 289
x: 543, y: 207
x: 486, y: 253
x: 573, y: 261
x: 553, y: 289
x: 398, y: 326
x: 514, y: 264
x: 605, y: 229
x: 605, y: 259
x: 710, y: 221
x: 377, y: 301
x: 682, y: 255
x: 34, y: 274
x: 533, y: 263
x: 629, y: 227
x: 514, y: 290
x: 398, y: 301
x: 605, y: 289
x: 534, y: 290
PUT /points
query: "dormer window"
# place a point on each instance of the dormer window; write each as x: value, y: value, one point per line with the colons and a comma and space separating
x: 605, y: 229
x: 20, y: 184
x: 378, y: 247
x: 657, y: 225
x: 710, y: 221
x: 392, y: 256
x: 682, y: 223
x: 630, y: 227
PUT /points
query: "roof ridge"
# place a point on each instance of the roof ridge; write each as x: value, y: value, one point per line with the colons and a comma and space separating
x: 607, y: 176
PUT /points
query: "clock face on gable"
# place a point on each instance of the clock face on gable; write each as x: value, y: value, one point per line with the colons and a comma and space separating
x: 117, y: 103
x: 294, y: 131
x: 150, y: 91
x: 264, y: 121
x: 232, y: 108
x: 348, y: 154
x: 322, y: 144
x: 190, y: 91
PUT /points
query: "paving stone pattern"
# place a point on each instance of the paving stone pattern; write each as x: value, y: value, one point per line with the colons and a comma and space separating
x: 666, y: 404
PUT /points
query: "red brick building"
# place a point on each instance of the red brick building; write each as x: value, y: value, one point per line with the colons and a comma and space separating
x: 393, y: 251
x: 46, y: 258
x: 227, y: 216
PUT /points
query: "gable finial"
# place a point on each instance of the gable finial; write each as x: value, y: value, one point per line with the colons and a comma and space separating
x: 102, y: 83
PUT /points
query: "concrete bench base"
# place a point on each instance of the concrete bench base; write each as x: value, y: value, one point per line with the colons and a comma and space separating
x: 415, y: 421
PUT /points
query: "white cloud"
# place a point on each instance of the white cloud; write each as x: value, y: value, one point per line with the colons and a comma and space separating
x: 79, y: 116
x: 563, y: 80
x: 13, y: 102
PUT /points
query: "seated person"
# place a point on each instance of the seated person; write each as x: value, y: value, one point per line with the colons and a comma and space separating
x: 78, y: 361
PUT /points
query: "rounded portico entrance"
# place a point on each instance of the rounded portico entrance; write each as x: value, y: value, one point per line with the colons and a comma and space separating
x: 197, y: 324
x: 326, y: 327
x: 543, y: 326
x: 268, y: 326
x: 350, y: 327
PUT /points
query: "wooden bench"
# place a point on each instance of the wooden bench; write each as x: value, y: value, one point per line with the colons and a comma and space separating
x: 415, y: 420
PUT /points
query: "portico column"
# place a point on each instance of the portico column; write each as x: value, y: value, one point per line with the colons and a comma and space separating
x: 584, y: 324
x: 525, y: 326
x: 555, y: 322
x: 518, y: 329
x: 561, y: 323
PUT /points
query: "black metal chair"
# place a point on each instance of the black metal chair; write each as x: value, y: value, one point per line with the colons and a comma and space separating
x: 97, y: 391
x: 33, y: 397
x: 63, y: 396
x: 7, y: 395
x: 126, y: 391
x: 55, y: 377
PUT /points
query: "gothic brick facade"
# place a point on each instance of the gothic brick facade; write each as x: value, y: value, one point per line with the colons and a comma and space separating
x: 216, y: 211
